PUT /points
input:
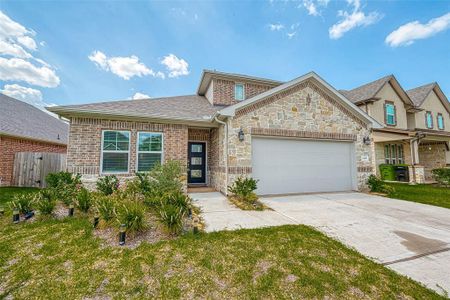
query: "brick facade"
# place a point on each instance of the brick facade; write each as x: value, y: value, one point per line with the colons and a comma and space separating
x: 9, y: 146
x: 432, y: 156
x: 305, y: 111
x: 223, y: 93
x: 85, y: 137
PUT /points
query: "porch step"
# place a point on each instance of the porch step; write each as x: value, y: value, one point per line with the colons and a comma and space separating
x: 200, y: 189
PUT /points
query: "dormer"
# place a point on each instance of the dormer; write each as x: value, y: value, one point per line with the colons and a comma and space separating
x: 225, y: 89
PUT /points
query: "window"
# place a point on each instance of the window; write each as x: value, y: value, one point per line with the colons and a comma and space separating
x: 115, y: 151
x: 440, y: 121
x: 149, y: 150
x: 389, y: 109
x: 239, y: 91
x: 393, y: 154
x: 429, y: 119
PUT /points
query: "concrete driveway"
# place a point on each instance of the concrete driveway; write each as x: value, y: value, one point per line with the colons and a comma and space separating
x: 413, y: 239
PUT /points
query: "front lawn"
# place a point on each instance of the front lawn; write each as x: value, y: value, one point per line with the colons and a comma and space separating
x: 6, y: 193
x: 422, y: 193
x: 62, y: 259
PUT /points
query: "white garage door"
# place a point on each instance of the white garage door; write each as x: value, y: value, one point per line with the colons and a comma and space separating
x: 302, y: 166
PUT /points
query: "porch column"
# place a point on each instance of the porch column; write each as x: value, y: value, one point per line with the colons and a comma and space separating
x: 415, y: 152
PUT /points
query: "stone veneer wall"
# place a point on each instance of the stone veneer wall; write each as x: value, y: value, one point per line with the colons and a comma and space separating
x: 10, y: 146
x: 432, y: 155
x: 304, y: 111
x: 85, y: 135
x: 223, y: 90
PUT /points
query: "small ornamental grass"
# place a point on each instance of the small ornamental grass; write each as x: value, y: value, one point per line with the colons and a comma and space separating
x: 84, y: 200
x: 107, y: 185
x: 243, y: 194
x: 172, y: 209
x: 132, y: 215
x: 45, y: 202
x: 23, y: 203
x: 106, y: 207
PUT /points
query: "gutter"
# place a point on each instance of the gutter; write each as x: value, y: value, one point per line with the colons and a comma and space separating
x: 226, y: 150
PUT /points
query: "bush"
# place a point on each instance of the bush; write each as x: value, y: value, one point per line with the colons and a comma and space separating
x: 45, y: 202
x: 108, y: 184
x: 131, y: 213
x: 84, y: 200
x: 65, y: 193
x: 106, y: 207
x: 23, y: 203
x: 376, y: 185
x: 164, y: 179
x: 55, y: 180
x: 244, y: 188
x: 442, y: 176
x: 172, y: 217
x: 177, y: 199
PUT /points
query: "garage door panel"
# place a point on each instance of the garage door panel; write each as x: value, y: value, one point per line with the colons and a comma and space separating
x: 297, y: 166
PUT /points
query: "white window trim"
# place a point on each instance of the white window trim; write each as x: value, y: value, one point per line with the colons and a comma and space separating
x: 243, y: 91
x: 388, y: 114
x: 137, y: 149
x: 115, y: 151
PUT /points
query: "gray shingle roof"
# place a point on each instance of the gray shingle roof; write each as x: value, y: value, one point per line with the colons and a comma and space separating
x: 366, y: 91
x: 21, y: 119
x: 191, y: 108
x: 419, y: 94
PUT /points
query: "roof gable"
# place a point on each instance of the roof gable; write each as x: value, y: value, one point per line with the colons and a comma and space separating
x: 316, y: 81
x: 419, y: 94
x: 20, y: 119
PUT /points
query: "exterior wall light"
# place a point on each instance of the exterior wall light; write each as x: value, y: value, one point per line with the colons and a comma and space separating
x: 71, y: 209
x: 366, y: 140
x: 241, y: 135
x: 122, y: 234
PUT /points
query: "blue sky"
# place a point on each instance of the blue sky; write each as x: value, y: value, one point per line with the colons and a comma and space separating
x: 79, y: 52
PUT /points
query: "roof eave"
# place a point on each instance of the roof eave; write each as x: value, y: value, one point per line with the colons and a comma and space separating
x: 70, y: 112
x: 33, y: 139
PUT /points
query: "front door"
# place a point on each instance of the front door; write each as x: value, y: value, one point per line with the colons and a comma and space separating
x: 197, y: 162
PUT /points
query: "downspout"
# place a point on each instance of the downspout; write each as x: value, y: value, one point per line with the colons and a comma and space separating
x: 226, y: 150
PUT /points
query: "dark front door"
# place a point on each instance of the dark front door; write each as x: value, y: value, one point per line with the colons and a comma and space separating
x: 197, y: 162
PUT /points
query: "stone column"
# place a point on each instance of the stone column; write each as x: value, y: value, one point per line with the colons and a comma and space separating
x: 416, y: 174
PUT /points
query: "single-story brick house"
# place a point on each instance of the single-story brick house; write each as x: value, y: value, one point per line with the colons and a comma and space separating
x: 298, y: 136
x: 25, y: 128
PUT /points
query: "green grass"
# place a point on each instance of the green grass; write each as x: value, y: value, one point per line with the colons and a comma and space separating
x: 6, y: 193
x: 422, y: 193
x: 63, y: 260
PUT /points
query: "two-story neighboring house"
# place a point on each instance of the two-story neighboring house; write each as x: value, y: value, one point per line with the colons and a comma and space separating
x: 416, y: 128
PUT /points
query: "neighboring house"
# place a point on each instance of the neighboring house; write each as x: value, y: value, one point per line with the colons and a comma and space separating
x: 298, y: 136
x: 24, y: 128
x: 416, y: 124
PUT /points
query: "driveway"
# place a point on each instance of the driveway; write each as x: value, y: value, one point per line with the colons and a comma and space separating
x: 411, y: 238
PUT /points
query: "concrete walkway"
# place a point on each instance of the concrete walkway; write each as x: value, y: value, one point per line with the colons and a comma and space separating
x: 411, y: 238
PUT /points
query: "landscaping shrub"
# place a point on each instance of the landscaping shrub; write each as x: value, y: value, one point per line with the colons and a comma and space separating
x: 172, y: 217
x: 84, y: 200
x: 131, y: 213
x: 243, y: 188
x: 55, y: 180
x: 45, y: 202
x: 377, y: 185
x: 178, y: 199
x: 106, y: 207
x: 164, y: 179
x: 65, y: 193
x: 23, y: 203
x: 442, y: 176
x: 107, y: 184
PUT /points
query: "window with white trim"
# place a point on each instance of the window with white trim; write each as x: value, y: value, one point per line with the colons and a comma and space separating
x: 440, y: 121
x: 390, y: 114
x: 239, y: 92
x: 393, y: 154
x: 115, y: 151
x: 149, y: 150
x: 429, y: 119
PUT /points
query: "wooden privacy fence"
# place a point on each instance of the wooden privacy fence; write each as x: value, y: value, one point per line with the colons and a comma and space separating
x: 30, y: 168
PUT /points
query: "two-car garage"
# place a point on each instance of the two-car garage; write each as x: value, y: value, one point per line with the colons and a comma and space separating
x: 285, y: 166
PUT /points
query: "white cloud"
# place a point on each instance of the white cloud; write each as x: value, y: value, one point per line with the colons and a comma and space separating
x: 13, y: 50
x: 311, y: 8
x: 28, y: 95
x: 290, y: 35
x: 176, y: 66
x: 16, y: 69
x: 276, y: 27
x: 138, y: 95
x: 406, y: 34
x: 123, y: 66
x: 14, y: 33
x: 353, y: 19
